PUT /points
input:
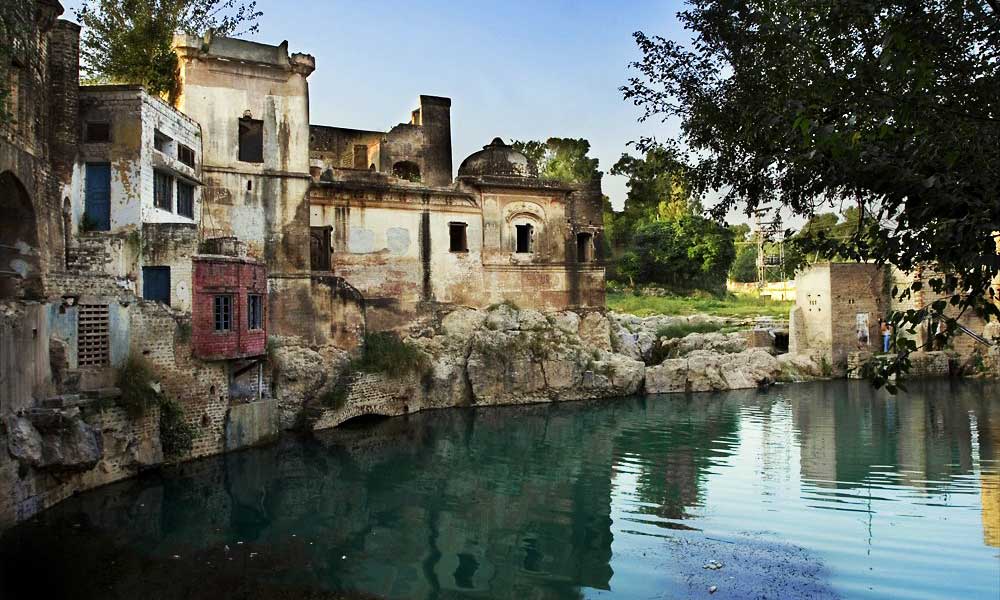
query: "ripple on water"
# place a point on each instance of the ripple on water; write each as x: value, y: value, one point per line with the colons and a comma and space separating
x: 822, y: 490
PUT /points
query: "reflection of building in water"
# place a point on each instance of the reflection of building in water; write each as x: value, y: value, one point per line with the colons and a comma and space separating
x: 988, y: 427
x: 923, y: 434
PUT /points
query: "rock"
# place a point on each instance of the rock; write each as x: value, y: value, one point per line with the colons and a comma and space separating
x: 668, y: 377
x: 75, y: 447
x: 712, y: 589
x: 300, y: 374
x: 721, y: 343
x: 567, y: 322
x: 460, y: 323
x: 595, y: 331
x: 507, y: 367
x: 23, y: 441
x: 532, y: 320
x: 705, y: 371
x: 800, y: 367
x: 502, y: 317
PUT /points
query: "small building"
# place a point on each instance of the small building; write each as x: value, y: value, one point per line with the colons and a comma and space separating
x: 837, y: 310
x: 136, y: 192
x: 228, y: 317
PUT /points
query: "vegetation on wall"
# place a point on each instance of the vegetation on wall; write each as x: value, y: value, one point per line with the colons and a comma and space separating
x: 176, y: 435
x: 888, y: 105
x: 137, y: 384
x: 139, y: 393
x: 385, y: 352
x: 130, y: 41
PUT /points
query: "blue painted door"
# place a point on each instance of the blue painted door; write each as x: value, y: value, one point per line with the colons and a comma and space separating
x: 97, y: 197
x: 156, y: 284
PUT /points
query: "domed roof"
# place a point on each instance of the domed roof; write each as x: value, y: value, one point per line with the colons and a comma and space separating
x: 496, y: 159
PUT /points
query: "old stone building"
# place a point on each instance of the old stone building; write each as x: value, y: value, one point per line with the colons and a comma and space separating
x: 201, y: 238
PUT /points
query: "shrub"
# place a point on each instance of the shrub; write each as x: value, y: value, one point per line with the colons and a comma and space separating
x: 176, y: 435
x: 679, y: 330
x: 335, y: 396
x: 384, y: 352
x: 135, y: 380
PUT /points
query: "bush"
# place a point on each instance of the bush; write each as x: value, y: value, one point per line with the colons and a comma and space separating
x: 384, y: 352
x: 680, y: 330
x: 176, y: 435
x: 135, y: 380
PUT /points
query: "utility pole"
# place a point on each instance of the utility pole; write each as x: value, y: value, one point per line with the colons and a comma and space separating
x: 764, y: 231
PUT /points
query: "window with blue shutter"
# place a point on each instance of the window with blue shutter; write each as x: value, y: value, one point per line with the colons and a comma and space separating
x: 97, y: 198
x: 156, y: 284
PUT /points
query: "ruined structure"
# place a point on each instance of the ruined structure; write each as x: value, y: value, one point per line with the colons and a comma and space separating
x: 839, y: 306
x: 238, y: 252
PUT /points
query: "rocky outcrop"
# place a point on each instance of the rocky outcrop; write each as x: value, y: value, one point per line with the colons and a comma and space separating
x: 720, y: 343
x: 498, y: 356
x: 705, y: 371
x: 53, y: 439
x: 300, y: 373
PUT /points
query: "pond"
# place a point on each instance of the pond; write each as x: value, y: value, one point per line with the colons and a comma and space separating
x: 823, y: 490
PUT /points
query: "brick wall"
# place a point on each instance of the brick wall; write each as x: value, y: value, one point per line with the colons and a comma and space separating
x: 217, y: 275
x: 201, y: 388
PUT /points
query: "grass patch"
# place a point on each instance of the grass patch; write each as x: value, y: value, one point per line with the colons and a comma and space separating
x: 679, y: 330
x: 731, y: 305
x: 384, y: 352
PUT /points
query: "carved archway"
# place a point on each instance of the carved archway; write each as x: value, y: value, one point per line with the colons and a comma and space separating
x: 19, y: 264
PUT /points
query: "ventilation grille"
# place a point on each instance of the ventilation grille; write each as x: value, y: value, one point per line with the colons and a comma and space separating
x: 92, y: 336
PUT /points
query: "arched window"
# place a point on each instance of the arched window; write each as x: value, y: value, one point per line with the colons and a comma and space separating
x: 407, y: 170
x: 18, y: 239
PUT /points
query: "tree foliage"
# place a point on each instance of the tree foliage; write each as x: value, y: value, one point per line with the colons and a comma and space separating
x: 886, y: 105
x: 562, y: 159
x: 130, y: 41
x: 656, y: 190
x: 684, y: 254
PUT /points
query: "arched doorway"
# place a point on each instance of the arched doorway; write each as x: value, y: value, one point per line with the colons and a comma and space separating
x: 19, y: 273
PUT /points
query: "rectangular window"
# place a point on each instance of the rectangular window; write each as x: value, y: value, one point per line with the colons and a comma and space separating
x: 458, y: 239
x: 251, y: 140
x: 161, y: 142
x: 523, y: 238
x: 584, y: 247
x: 185, y: 199
x: 97, y: 133
x: 92, y: 330
x: 255, y: 311
x: 223, y: 313
x: 163, y: 190
x: 319, y: 248
x: 156, y: 284
x: 360, y: 156
x: 185, y: 155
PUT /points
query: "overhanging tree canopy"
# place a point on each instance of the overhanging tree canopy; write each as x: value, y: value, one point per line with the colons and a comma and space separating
x: 890, y: 106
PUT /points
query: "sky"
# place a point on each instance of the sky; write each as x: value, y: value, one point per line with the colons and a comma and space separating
x: 518, y: 70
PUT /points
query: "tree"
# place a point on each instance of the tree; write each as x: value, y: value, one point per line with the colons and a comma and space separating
x: 656, y: 190
x: 689, y: 253
x: 886, y: 105
x: 744, y: 269
x: 131, y: 41
x: 563, y: 159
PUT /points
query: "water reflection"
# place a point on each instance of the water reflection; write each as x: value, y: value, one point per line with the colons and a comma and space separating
x: 806, y: 489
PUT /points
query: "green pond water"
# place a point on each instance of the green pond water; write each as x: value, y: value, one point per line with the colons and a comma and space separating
x: 826, y: 490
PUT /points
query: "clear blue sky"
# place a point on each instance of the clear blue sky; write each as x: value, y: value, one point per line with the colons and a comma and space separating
x: 519, y: 70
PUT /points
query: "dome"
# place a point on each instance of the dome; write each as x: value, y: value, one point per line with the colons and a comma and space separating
x: 498, y: 160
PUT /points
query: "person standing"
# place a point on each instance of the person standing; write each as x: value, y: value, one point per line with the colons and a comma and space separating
x: 886, y: 334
